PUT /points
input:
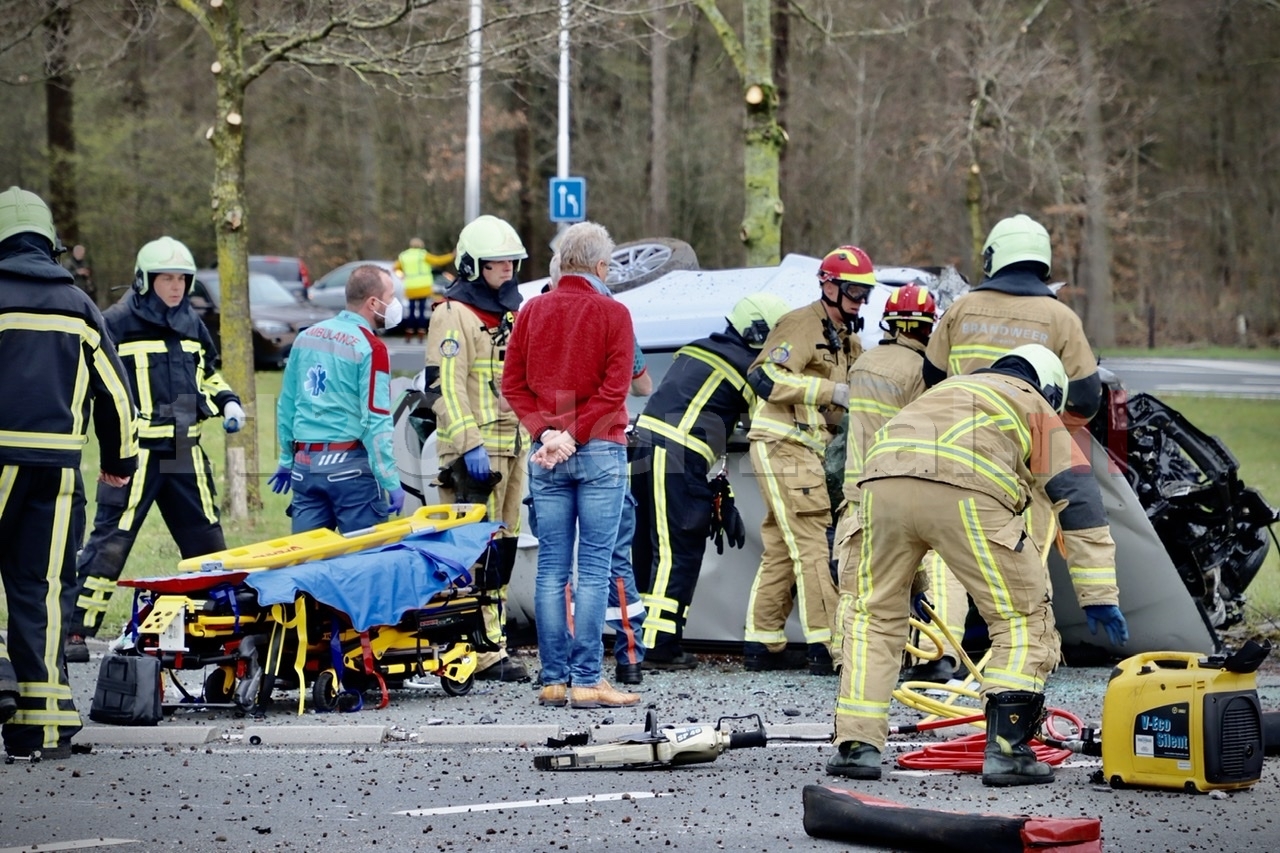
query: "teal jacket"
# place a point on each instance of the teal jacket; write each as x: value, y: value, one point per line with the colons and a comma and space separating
x: 337, y: 387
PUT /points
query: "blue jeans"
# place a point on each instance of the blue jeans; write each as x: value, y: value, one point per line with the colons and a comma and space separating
x: 337, y: 490
x: 625, y: 613
x: 585, y: 491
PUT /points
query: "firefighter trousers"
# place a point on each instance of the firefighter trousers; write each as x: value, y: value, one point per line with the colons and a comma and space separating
x: 41, y: 520
x: 946, y: 594
x: 986, y: 547
x: 797, y: 552
x: 503, y: 505
x: 181, y: 483
x: 673, y: 508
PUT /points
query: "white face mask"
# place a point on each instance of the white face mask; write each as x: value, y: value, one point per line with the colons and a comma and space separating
x: 393, y: 315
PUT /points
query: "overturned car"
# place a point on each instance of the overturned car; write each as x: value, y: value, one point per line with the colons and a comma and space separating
x: 1189, y: 535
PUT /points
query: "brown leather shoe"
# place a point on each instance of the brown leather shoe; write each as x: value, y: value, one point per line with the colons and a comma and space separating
x: 603, y: 695
x: 555, y: 695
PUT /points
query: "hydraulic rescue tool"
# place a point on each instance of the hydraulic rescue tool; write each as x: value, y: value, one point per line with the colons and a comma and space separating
x: 660, y: 746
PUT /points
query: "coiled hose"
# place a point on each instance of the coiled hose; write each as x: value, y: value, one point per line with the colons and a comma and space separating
x: 962, y: 754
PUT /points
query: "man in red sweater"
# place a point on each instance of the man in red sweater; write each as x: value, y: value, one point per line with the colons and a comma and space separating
x: 567, y: 373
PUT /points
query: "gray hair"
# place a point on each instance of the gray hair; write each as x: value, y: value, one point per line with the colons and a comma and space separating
x: 582, y: 246
x: 553, y: 269
x: 365, y: 281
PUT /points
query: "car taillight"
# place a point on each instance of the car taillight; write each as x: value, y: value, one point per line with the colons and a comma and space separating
x: 304, y: 273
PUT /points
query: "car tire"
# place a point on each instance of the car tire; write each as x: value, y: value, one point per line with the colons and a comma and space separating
x: 641, y: 261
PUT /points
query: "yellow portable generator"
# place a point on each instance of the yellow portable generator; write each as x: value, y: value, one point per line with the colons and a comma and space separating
x: 1181, y: 720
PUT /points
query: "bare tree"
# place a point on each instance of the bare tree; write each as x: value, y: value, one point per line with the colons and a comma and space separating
x: 391, y: 42
x: 1099, y: 314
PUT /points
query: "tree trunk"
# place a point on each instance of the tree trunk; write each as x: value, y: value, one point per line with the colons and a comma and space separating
x: 764, y: 140
x: 60, y: 124
x: 1099, y: 317
x: 658, y: 219
x: 781, y: 55
x: 762, y: 224
x: 229, y: 220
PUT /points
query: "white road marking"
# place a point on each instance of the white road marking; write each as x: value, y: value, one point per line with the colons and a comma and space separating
x: 528, y: 804
x: 86, y: 844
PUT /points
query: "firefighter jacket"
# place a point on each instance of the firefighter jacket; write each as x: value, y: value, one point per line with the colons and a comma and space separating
x: 417, y: 272
x: 337, y: 387
x: 995, y: 434
x: 883, y: 380
x: 57, y: 365
x: 172, y: 360
x: 795, y: 375
x: 466, y: 348
x: 702, y: 396
x: 1007, y: 311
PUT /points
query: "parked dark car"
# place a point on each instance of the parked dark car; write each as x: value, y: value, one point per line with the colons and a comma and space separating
x: 290, y: 272
x: 277, y: 316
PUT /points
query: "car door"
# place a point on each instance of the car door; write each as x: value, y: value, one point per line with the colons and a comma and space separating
x: 207, y: 308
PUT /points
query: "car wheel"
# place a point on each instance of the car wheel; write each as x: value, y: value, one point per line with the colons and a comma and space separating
x: 641, y: 261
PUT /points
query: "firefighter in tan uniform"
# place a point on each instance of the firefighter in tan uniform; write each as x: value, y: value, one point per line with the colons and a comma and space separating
x: 479, y: 441
x: 1012, y: 307
x: 882, y: 381
x: 953, y: 471
x: 800, y: 381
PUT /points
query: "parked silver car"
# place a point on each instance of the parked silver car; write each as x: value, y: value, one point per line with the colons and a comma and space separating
x: 1169, y: 603
x: 330, y: 289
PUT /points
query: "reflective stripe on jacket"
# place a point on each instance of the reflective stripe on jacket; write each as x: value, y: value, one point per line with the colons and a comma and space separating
x: 795, y: 375
x: 997, y: 435
x: 419, y: 278
x: 58, y: 368
x: 990, y: 320
x: 701, y: 398
x: 883, y: 380
x: 464, y: 365
x: 337, y: 387
x: 175, y: 380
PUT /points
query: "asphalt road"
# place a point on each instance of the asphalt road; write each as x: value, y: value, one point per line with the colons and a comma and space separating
x: 438, y: 772
x: 1197, y: 376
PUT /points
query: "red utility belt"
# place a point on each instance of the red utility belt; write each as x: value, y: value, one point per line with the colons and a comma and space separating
x: 319, y: 446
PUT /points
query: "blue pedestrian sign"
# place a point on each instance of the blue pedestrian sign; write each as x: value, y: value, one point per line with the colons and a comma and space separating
x: 568, y: 199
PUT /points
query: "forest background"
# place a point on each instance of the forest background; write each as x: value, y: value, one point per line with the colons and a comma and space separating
x: 1144, y: 134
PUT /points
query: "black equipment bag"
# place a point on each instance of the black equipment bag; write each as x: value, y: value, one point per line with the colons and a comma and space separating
x: 128, y: 692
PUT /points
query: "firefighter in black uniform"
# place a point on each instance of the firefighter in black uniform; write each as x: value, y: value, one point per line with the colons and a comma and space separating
x: 172, y: 359
x: 56, y: 364
x: 684, y: 429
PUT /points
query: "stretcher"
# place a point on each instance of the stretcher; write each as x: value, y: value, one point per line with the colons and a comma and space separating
x: 340, y: 614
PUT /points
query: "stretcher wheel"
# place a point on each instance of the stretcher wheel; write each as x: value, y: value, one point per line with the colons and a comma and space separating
x: 324, y: 693
x: 458, y: 688
x: 219, y: 687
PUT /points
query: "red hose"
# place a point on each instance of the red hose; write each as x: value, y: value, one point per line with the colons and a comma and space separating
x: 964, y: 754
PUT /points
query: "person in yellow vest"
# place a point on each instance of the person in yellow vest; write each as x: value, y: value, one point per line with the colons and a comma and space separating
x: 800, y: 381
x: 417, y: 267
x: 480, y: 445
x: 953, y: 471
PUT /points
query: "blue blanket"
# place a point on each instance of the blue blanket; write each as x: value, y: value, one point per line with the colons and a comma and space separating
x: 378, y: 586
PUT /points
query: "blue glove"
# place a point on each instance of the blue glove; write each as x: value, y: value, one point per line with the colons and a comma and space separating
x: 232, y: 417
x: 395, y: 500
x: 917, y: 607
x: 477, y: 462
x: 281, y: 480
x: 1111, y: 618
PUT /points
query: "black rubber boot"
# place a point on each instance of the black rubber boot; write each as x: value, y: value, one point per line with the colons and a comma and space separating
x: 855, y: 760
x: 1013, y: 719
x: 937, y: 671
x: 8, y: 705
